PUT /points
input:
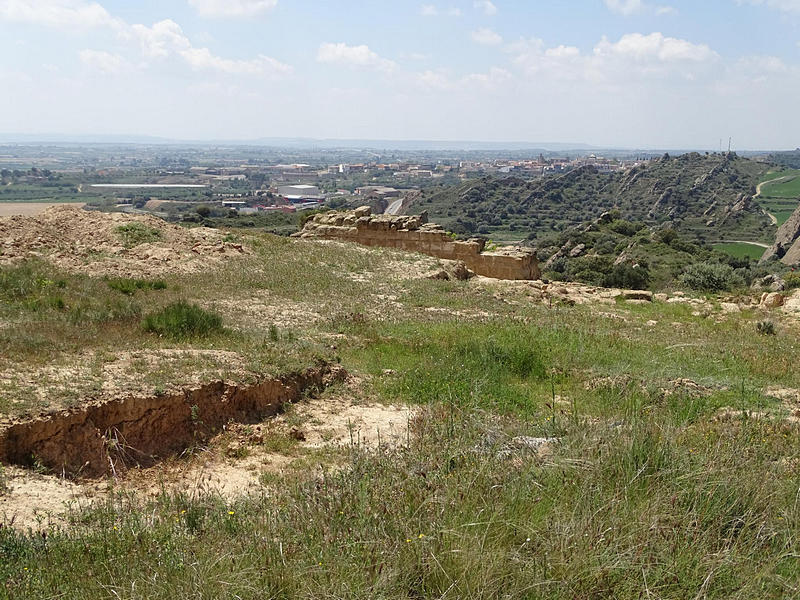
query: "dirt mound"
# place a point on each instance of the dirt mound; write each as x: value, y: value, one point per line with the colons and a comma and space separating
x: 112, y: 243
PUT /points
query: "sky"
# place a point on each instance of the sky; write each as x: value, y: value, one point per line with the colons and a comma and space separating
x: 612, y: 73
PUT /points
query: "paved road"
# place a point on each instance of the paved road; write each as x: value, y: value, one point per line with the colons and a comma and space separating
x: 394, y: 207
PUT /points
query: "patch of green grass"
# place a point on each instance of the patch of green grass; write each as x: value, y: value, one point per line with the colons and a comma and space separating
x: 129, y: 286
x: 786, y: 185
x: 181, y: 320
x: 133, y: 234
x: 741, y: 250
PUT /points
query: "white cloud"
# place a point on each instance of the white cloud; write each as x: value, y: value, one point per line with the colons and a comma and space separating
x: 654, y: 48
x: 625, y: 7
x: 439, y: 80
x: 232, y: 8
x: 634, y: 58
x: 666, y: 10
x: 166, y: 38
x: 486, y: 37
x: 632, y: 7
x: 160, y: 41
x: 487, y: 6
x: 102, y: 60
x: 62, y: 14
x: 353, y: 56
x: 789, y: 6
x: 431, y: 10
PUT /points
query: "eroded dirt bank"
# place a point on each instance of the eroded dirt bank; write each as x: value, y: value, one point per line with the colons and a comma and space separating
x: 108, y: 438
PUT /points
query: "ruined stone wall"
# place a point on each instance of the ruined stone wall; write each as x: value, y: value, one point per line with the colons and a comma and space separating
x: 415, y: 234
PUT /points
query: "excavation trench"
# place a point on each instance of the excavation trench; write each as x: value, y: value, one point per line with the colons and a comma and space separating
x: 111, y: 437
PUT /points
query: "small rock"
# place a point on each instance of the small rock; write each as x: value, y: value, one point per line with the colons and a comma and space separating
x: 652, y: 323
x: 297, y: 434
x: 729, y: 307
x: 525, y: 442
x: 577, y: 251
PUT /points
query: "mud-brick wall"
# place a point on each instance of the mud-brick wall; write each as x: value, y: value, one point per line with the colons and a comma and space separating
x: 513, y: 264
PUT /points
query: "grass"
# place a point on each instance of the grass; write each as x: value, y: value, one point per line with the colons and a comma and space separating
x: 133, y: 234
x: 182, y: 320
x: 651, y: 496
x: 129, y: 286
x: 650, y: 491
x: 741, y: 250
x: 780, y: 192
x: 787, y: 185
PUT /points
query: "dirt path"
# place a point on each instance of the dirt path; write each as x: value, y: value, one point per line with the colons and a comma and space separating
x: 759, y: 187
x: 759, y: 244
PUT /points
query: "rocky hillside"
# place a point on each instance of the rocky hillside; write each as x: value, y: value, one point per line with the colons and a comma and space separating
x: 787, y: 242
x: 707, y: 198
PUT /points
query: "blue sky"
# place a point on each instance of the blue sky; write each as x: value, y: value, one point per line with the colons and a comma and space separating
x: 633, y: 73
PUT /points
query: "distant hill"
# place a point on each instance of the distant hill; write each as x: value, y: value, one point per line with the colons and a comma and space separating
x: 789, y: 159
x: 704, y: 197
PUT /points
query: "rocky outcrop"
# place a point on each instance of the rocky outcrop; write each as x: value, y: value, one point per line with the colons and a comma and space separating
x: 787, y: 242
x: 413, y: 233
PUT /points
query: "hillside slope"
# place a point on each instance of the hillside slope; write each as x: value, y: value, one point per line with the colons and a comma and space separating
x: 705, y: 197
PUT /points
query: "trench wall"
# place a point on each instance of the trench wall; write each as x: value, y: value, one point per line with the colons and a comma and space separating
x: 108, y: 438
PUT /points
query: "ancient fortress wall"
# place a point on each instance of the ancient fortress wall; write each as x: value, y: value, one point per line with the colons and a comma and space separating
x: 415, y: 234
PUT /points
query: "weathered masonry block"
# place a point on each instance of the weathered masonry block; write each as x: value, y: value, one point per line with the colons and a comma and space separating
x: 414, y: 234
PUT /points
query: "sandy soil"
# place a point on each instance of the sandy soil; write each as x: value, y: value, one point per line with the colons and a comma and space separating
x: 90, y: 242
x: 232, y: 464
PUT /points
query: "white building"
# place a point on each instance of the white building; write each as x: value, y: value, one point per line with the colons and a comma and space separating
x: 300, y: 192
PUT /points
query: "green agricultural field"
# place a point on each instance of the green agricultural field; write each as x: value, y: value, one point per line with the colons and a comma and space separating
x: 741, y: 250
x: 780, y: 193
x: 786, y: 185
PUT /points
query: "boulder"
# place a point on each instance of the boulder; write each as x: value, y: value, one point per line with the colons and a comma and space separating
x: 362, y: 211
x: 638, y: 295
x: 772, y: 300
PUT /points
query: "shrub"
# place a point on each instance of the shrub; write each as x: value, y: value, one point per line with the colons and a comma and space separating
x: 765, y: 327
x: 182, y: 320
x: 133, y: 234
x: 625, y: 228
x: 627, y: 276
x: 709, y: 277
x: 792, y: 280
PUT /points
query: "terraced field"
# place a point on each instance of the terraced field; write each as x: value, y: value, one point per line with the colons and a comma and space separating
x: 779, y: 194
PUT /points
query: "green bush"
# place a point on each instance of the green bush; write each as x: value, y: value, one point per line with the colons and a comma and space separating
x: 628, y: 277
x: 183, y: 320
x: 792, y: 280
x: 709, y: 277
x: 133, y: 234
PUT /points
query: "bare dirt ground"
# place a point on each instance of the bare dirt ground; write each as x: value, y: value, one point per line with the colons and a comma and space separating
x: 313, y: 434
x: 90, y: 242
x: 29, y: 209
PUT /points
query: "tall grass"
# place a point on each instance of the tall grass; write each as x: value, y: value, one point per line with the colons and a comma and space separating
x: 182, y: 320
x: 614, y: 513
